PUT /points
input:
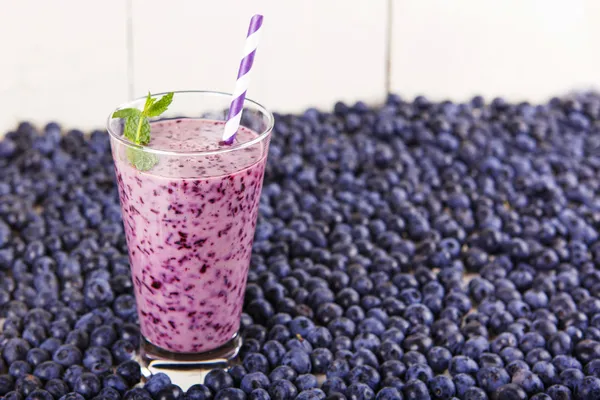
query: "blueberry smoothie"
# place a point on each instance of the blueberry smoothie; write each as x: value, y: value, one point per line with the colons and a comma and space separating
x: 189, y: 223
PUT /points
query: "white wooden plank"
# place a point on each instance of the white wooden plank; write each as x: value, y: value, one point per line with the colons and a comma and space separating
x: 520, y: 49
x: 312, y: 52
x: 62, y: 61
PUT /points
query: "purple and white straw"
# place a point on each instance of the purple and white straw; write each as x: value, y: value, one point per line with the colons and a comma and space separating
x: 243, y: 80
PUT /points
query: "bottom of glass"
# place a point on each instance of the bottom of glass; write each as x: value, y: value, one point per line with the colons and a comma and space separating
x: 186, y: 369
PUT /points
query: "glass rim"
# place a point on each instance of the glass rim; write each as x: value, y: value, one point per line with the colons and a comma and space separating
x: 261, y: 136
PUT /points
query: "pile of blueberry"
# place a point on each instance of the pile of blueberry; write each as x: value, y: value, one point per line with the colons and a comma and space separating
x: 414, y: 251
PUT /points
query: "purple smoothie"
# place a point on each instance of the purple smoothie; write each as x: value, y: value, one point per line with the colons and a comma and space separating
x: 189, y: 224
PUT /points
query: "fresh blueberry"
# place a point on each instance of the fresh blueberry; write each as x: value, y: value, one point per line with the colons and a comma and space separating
x: 529, y: 381
x: 254, y: 380
x: 67, y: 355
x: 283, y: 389
x: 72, y: 374
x: 257, y: 394
x: 6, y: 384
x: 108, y: 393
x: 15, y: 349
x: 273, y: 350
x: 321, y: 359
x: 215, y: 380
x: 130, y: 371
x: 441, y: 387
x: 365, y: 374
x: 198, y: 392
x: 416, y: 390
x: 282, y: 372
x: 48, y: 370
x: 88, y: 385
x: 256, y: 362
x: 171, y: 392
x: 137, y: 393
x: 57, y: 388
x: 19, y: 368
x: 559, y: 392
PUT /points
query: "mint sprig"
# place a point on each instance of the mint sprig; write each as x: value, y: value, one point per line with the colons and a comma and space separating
x: 137, y: 129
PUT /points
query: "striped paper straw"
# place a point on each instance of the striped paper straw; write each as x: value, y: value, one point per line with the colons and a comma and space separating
x: 243, y: 80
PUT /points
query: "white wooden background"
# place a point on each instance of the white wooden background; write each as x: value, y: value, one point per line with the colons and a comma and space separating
x: 72, y: 61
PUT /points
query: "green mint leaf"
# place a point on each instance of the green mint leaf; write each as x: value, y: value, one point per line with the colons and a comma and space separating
x: 142, y: 134
x: 148, y: 104
x: 160, y: 106
x: 137, y: 129
x: 126, y: 113
x: 140, y: 159
x: 131, y: 127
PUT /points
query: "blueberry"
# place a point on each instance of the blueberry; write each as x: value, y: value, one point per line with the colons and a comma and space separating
x: 311, y: 394
x: 416, y: 389
x: 256, y: 362
x: 130, y: 371
x: 215, y: 380
x: 78, y: 338
x: 529, y: 381
x: 366, y: 340
x: 122, y: 350
x: 571, y: 378
x: 462, y: 382
x: 48, y: 370
x: 19, y: 368
x: 321, y: 359
x: 108, y: 393
x: 6, y: 384
x: 237, y: 372
x: 283, y: 389
x: 320, y: 337
x: 298, y: 360
x: 587, y: 350
x: 365, y: 374
x: 39, y: 394
x: 339, y: 368
x: 462, y: 364
x: 57, y: 388
x: 562, y: 362
x: 334, y: 385
x: 258, y: 394
x: 103, y: 336
x: 441, y: 387
x: 95, y: 354
x: 299, y: 344
x: 15, y: 349
x: 475, y: 393
x: 559, y: 392
x: 305, y: 382
x: 283, y: 372
x: 131, y: 333
x: 593, y: 368
x: 137, y: 393
x: 359, y: 391
x: 67, y: 355
x: 254, y: 380
x: 170, y: 392
x: 88, y: 385
x: 72, y: 374
x: 50, y: 345
x: 273, y: 350
x: 589, y: 388
x: 198, y: 392
x: 116, y: 382
x: 388, y: 393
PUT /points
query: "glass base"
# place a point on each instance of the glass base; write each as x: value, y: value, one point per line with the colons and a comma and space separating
x: 186, y: 369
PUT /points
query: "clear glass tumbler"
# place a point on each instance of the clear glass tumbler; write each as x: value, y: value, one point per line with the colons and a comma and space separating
x: 189, y: 211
